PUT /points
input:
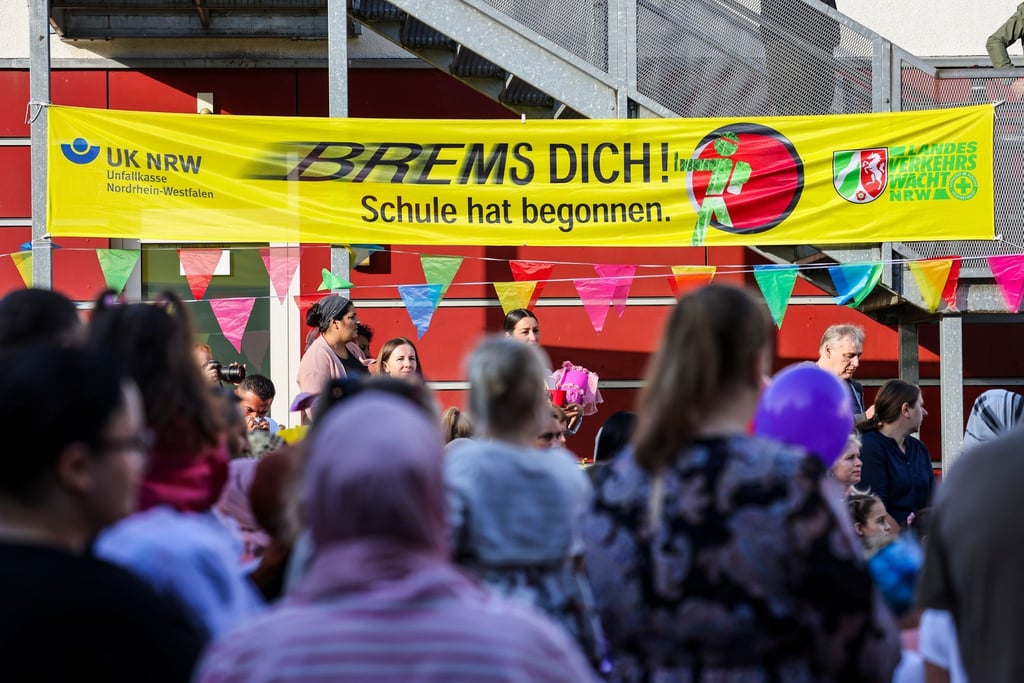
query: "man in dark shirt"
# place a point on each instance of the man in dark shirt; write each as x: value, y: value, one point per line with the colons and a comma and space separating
x: 839, y: 354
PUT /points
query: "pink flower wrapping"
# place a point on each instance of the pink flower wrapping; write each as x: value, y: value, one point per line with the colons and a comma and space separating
x: 580, y: 386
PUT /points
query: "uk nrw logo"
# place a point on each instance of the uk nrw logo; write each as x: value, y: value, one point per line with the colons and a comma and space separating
x: 80, y: 151
x: 860, y: 175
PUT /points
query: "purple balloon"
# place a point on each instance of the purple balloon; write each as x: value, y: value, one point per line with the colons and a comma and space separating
x: 808, y: 407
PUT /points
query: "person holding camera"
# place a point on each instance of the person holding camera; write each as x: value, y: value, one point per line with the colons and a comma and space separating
x: 213, y: 370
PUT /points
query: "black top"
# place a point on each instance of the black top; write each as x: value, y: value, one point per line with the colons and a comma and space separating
x: 73, y: 618
x: 353, y: 366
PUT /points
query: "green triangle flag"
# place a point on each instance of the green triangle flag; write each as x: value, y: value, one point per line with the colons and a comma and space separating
x: 440, y: 270
x: 776, y: 283
x: 332, y: 281
x: 117, y: 266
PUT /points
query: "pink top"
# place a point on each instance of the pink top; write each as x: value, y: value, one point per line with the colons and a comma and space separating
x: 320, y: 364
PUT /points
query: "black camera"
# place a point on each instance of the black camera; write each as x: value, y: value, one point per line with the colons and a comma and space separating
x: 232, y: 374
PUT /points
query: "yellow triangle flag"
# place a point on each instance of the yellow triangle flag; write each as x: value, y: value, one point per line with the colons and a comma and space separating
x: 514, y: 294
x: 23, y: 262
x: 684, y: 278
x: 931, y: 276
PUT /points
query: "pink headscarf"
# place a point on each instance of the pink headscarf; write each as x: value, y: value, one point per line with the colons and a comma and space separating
x: 373, y: 494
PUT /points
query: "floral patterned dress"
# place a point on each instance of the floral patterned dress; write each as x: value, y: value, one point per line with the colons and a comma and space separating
x: 745, y: 569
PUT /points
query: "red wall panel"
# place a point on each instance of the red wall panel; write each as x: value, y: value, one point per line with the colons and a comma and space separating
x: 264, y: 92
x: 15, y: 182
x: 14, y: 86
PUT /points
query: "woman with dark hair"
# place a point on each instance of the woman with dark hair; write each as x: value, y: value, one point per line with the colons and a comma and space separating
x: 331, y: 348
x: 73, y: 467
x: 715, y: 555
x: 175, y: 542
x: 521, y: 324
x: 398, y: 358
x: 897, y: 467
x: 614, y: 435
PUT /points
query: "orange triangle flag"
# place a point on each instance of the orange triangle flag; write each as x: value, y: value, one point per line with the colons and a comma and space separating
x: 199, y: 265
x: 23, y: 262
x: 931, y: 276
x: 684, y: 278
x: 514, y: 295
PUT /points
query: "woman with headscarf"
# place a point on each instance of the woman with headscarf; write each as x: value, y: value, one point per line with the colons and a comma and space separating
x: 175, y: 542
x: 381, y: 599
x: 331, y: 348
x: 716, y: 555
x: 995, y: 413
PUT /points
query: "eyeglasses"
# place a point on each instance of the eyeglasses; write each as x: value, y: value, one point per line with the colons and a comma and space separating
x: 140, y: 442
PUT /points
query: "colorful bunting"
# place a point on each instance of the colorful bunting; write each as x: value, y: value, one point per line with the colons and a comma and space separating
x: 854, y: 281
x: 23, y: 262
x: 949, y: 291
x: 622, y: 275
x: 776, y: 283
x: 440, y: 270
x: 931, y: 276
x: 233, y: 315
x: 684, y: 278
x: 281, y: 264
x: 514, y: 295
x: 199, y: 265
x: 1009, y: 274
x: 532, y: 270
x: 117, y: 266
x: 596, y: 294
x: 332, y: 282
x: 420, y: 302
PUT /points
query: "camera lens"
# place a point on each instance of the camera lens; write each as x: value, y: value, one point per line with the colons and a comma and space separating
x: 232, y: 374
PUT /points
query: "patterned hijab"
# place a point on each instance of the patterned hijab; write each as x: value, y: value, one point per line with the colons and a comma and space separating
x: 996, y: 413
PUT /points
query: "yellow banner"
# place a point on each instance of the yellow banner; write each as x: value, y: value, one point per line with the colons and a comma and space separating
x: 642, y: 182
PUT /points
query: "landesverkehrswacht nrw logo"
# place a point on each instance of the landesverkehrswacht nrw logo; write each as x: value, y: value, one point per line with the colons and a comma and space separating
x: 80, y: 151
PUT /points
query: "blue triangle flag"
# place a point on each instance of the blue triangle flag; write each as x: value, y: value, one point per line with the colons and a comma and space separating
x: 420, y: 302
x: 854, y: 281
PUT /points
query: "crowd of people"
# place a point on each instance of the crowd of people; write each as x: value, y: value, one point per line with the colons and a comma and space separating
x: 155, y: 526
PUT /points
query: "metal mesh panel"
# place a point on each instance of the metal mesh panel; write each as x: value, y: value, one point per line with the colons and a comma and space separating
x: 921, y: 90
x: 750, y: 58
x: 579, y: 26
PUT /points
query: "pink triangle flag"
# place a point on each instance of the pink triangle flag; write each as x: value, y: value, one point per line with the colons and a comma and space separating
x: 254, y: 346
x: 622, y: 276
x: 1009, y: 274
x: 532, y: 270
x: 232, y: 316
x: 199, y: 265
x: 596, y: 294
x: 281, y: 264
x: 23, y: 262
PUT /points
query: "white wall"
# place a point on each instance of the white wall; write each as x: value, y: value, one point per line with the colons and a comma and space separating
x: 938, y: 28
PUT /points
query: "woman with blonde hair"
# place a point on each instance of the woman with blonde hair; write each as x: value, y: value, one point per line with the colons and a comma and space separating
x: 846, y: 469
x: 715, y: 555
x: 515, y: 509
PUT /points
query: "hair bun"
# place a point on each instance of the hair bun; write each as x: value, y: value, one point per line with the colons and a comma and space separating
x: 313, y: 315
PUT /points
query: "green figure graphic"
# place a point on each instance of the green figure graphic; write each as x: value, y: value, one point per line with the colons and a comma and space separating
x: 726, y: 176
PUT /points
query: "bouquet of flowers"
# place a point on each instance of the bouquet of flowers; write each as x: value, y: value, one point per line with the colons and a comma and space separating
x: 579, y: 385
